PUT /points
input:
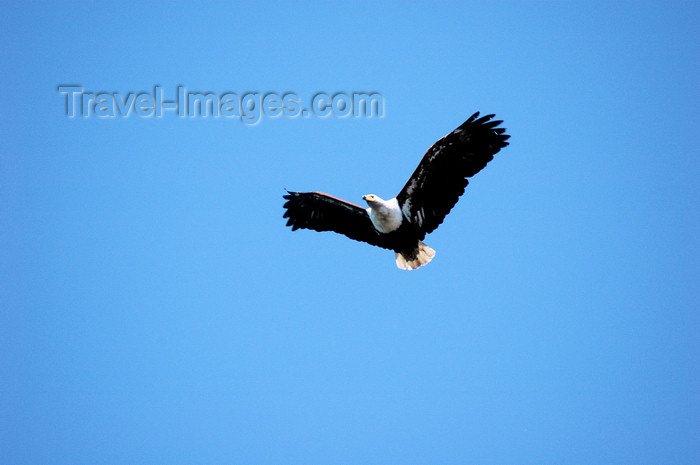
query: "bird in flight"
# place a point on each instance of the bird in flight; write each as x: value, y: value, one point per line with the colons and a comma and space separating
x: 400, y: 224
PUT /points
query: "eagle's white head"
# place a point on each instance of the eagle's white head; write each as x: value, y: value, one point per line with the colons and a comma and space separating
x: 372, y: 199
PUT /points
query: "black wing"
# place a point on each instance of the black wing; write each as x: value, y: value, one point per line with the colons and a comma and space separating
x: 435, y: 186
x: 323, y: 212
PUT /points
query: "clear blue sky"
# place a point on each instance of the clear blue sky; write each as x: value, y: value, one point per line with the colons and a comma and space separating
x: 154, y: 308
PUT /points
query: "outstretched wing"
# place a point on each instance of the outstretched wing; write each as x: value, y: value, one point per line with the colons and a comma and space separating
x: 323, y: 212
x: 438, y: 182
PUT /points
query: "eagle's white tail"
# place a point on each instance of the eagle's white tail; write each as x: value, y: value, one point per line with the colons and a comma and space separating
x: 423, y: 255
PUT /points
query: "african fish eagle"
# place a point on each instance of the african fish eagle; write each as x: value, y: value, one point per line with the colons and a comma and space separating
x: 400, y: 224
